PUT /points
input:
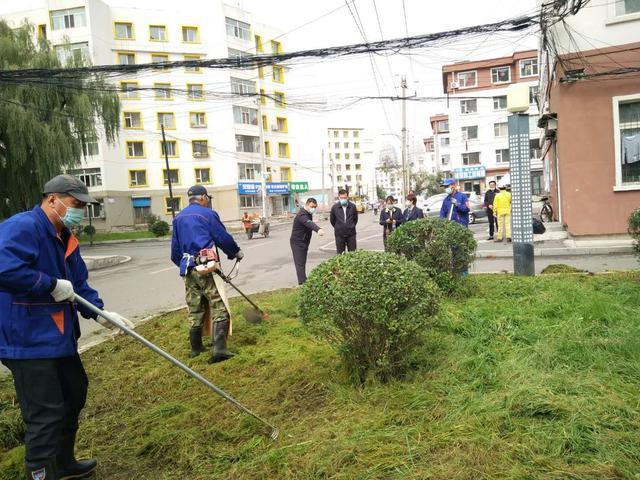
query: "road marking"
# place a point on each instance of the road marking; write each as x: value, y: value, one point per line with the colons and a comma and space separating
x: 256, y: 245
x: 357, y: 239
x: 163, y: 270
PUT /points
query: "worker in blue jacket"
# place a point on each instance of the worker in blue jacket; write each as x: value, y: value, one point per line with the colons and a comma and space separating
x: 455, y: 205
x: 195, y: 228
x: 40, y: 271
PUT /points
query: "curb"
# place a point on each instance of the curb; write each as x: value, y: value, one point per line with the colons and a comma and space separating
x: 98, y: 263
x: 558, y: 252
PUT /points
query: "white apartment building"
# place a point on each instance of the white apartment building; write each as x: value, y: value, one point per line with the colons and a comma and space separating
x: 351, y: 160
x: 388, y: 174
x: 213, y: 138
x: 471, y: 138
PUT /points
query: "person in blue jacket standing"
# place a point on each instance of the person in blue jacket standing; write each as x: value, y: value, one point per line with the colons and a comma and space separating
x: 195, y: 228
x: 412, y: 212
x: 455, y: 206
x: 40, y: 271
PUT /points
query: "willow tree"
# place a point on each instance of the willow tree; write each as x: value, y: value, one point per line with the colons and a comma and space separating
x: 46, y: 123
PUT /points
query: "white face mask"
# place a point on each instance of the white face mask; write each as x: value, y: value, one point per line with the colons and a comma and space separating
x: 448, y: 190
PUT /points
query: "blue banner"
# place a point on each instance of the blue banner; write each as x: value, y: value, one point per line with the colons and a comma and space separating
x: 278, y: 188
x: 249, y: 188
x: 467, y: 173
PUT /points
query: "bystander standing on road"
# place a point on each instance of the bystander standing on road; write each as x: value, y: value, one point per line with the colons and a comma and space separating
x: 412, y: 212
x: 303, y: 227
x: 344, y: 218
x: 488, y: 203
x: 502, y: 210
x: 455, y: 205
x: 390, y: 218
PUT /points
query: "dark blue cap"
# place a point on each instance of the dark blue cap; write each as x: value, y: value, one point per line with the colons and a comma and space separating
x: 448, y: 181
x: 196, y: 191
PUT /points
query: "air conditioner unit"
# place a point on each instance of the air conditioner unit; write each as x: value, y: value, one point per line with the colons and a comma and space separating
x: 454, y: 85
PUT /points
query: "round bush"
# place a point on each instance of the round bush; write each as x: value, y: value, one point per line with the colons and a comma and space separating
x: 160, y: 228
x: 444, y: 249
x: 370, y: 307
x: 634, y: 230
x: 89, y: 230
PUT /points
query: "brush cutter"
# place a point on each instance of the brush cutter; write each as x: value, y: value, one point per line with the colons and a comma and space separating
x: 274, y: 432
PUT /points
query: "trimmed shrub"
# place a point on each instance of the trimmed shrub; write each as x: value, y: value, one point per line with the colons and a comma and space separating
x: 159, y: 228
x: 151, y: 219
x: 89, y: 230
x: 443, y: 248
x: 370, y: 307
x: 634, y: 230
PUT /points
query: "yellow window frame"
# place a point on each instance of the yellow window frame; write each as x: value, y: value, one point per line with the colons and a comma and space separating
x: 169, y: 156
x: 280, y: 69
x: 115, y: 30
x: 260, y: 72
x: 265, y: 123
x: 137, y: 92
x: 144, y: 148
x: 287, y: 152
x: 159, y: 85
x: 285, y: 122
x: 208, y: 155
x: 279, y: 104
x: 195, y: 175
x: 125, y: 52
x: 158, y: 120
x: 276, y: 47
x: 179, y: 182
x: 259, y: 46
x: 267, y: 148
x: 288, y: 170
x: 124, y: 113
x: 263, y: 97
x: 197, y: 40
x: 205, y: 119
x: 160, y: 54
x: 175, y: 197
x: 166, y: 33
x: 189, y: 97
x: 197, y: 70
x: 146, y: 177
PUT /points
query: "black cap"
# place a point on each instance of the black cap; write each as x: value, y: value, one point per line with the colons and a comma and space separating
x: 70, y: 185
x: 196, y: 191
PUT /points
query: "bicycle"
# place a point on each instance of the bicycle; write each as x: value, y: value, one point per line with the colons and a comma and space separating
x: 546, y: 213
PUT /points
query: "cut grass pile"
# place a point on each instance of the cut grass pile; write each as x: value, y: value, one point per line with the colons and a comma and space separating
x: 525, y: 378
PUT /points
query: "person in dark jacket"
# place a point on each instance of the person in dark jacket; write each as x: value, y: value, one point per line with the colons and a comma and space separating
x: 303, y: 226
x: 344, y: 218
x: 40, y: 271
x: 412, y: 212
x: 195, y: 228
x: 390, y: 218
x: 488, y: 203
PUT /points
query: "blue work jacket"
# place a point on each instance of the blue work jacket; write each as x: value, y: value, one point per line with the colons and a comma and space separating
x: 32, y: 255
x: 460, y: 211
x: 194, y: 228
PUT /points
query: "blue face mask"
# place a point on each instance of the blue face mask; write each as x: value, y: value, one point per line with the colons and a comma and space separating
x: 73, y: 217
x: 312, y: 210
x: 343, y: 201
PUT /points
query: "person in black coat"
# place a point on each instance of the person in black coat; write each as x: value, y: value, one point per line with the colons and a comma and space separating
x: 390, y: 218
x: 344, y: 218
x: 488, y: 203
x: 303, y: 227
x: 412, y: 212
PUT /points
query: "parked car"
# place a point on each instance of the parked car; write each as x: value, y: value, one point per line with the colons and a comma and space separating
x: 432, y: 205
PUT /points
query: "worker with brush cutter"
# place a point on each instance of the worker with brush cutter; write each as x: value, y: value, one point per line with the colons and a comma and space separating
x: 197, y: 228
x: 40, y: 271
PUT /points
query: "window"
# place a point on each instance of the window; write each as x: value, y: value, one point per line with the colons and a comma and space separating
x: 533, y: 95
x: 347, y: 166
x: 242, y: 87
x: 42, y: 31
x: 90, y: 148
x: 445, y: 141
x: 336, y: 145
x: 172, y: 204
x: 467, y: 79
x: 135, y: 149
x: 69, y: 18
x: 239, y: 55
x: 159, y: 58
x: 123, y: 30
x: 445, y: 159
x: 141, y: 209
x: 278, y: 99
x: 132, y: 120
x: 529, y: 67
x: 500, y: 129
x: 92, y: 177
x: 285, y: 174
x: 470, y: 133
x: 157, y: 33
x: 261, y: 72
x: 500, y: 103
x: 356, y: 156
x: 129, y: 90
x: 258, y: 41
x: 195, y: 91
x: 339, y: 178
x: 203, y: 175
x: 190, y: 35
x: 263, y: 97
x: 171, y: 147
x: 194, y: 69
x: 347, y: 178
x: 356, y: 134
x: 95, y: 210
x: 358, y: 166
x: 472, y: 158
x: 162, y: 91
x: 137, y: 178
x: 250, y: 201
x: 283, y: 150
x: 338, y: 156
x: 238, y: 29
x: 276, y: 47
x: 534, y: 149
x: 536, y: 183
x: 197, y: 119
x: 625, y: 7
x: 346, y: 144
x: 282, y: 125
x: 267, y: 149
x: 245, y: 115
x: 347, y: 156
x: 500, y: 75
x: 502, y: 155
x: 468, y: 106
x: 168, y: 119
x: 345, y: 134
x: 338, y: 168
x: 249, y: 171
x: 70, y: 52
x: 443, y: 126
x: 265, y: 123
x: 356, y: 145
x: 200, y: 148
x: 126, y: 58
x: 173, y: 175
x: 278, y: 74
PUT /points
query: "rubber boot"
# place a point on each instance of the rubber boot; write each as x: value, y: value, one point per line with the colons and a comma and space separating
x: 68, y: 466
x: 195, y: 338
x: 42, y: 470
x: 220, y: 332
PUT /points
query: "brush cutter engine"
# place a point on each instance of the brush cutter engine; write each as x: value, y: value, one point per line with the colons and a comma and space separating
x: 207, y: 260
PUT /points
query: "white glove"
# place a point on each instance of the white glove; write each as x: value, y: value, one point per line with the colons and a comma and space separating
x: 63, y: 291
x: 454, y: 201
x: 116, y: 316
x: 240, y: 255
x: 321, y: 232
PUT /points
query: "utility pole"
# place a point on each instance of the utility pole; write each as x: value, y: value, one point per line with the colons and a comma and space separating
x: 166, y: 162
x: 324, y: 192
x: 263, y: 173
x: 405, y: 171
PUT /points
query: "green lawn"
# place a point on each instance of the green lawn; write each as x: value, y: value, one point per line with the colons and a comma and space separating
x: 526, y: 378
x: 101, y: 237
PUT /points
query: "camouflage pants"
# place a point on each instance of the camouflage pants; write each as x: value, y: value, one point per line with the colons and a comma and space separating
x: 202, y: 294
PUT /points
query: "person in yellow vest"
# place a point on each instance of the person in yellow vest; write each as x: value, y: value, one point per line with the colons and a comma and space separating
x: 502, y: 211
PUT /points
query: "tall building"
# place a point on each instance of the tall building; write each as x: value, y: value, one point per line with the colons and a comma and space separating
x: 389, y: 171
x: 351, y: 160
x: 470, y: 138
x: 218, y: 133
x: 590, y: 106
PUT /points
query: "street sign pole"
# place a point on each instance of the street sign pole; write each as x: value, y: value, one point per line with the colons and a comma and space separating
x: 521, y: 213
